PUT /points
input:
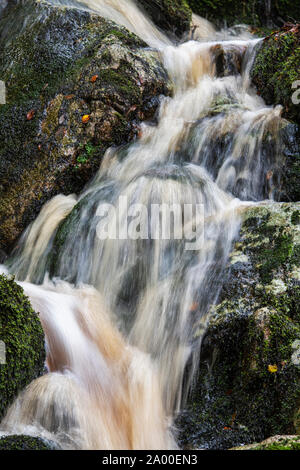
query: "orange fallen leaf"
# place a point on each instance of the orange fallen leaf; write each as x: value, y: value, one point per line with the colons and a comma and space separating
x: 85, y: 118
x: 94, y: 78
x: 227, y: 428
x: 30, y: 114
x: 69, y: 97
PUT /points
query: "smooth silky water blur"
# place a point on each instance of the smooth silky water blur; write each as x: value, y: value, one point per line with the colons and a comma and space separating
x: 124, y: 319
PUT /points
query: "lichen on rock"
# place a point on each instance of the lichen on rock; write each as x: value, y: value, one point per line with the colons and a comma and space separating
x: 60, y: 65
x: 249, y: 383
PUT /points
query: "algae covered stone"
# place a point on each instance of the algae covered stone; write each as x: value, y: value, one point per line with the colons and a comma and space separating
x: 49, y: 58
x: 23, y: 357
x: 276, y: 70
x: 249, y: 381
x: 22, y: 442
x: 274, y: 443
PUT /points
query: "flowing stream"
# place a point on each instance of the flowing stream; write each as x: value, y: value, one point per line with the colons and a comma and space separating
x: 124, y: 316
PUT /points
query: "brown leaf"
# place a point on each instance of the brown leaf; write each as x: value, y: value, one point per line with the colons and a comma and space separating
x: 30, y: 115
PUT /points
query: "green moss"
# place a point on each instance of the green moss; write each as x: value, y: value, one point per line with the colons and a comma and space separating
x: 280, y: 444
x: 47, y: 66
x: 87, y: 152
x: 20, y: 442
x: 126, y: 85
x: 274, y: 245
x: 276, y: 68
x: 21, y: 331
x: 238, y: 397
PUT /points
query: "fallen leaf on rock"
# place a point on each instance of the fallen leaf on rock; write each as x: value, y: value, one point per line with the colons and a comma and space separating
x: 30, y: 114
x: 69, y: 97
x: 85, y: 118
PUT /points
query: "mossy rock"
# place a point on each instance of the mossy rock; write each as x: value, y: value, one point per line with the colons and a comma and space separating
x: 170, y: 15
x: 252, y: 12
x: 277, y: 67
x: 59, y: 65
x: 249, y: 376
x: 20, y: 442
x: 22, y: 334
x: 274, y: 443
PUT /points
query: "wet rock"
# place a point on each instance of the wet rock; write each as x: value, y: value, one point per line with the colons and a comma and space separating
x: 252, y: 12
x: 173, y: 16
x: 276, y: 70
x: 228, y: 60
x: 22, y: 340
x: 290, y: 180
x: 76, y: 84
x: 3, y: 4
x: 274, y: 443
x: 21, y: 442
x: 249, y: 380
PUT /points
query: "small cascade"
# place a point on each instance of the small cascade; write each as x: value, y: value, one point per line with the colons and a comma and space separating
x: 124, y: 276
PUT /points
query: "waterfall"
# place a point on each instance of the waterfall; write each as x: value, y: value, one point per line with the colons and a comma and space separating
x: 124, y: 314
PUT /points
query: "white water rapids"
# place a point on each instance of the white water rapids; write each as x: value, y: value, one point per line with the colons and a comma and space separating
x: 124, y: 318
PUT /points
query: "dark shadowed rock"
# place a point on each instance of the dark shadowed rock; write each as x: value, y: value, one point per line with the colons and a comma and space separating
x: 173, y: 16
x: 252, y: 12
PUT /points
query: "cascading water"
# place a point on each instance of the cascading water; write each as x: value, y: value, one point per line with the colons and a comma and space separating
x: 122, y: 354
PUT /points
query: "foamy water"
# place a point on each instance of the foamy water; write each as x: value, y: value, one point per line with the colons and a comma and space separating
x: 124, y: 319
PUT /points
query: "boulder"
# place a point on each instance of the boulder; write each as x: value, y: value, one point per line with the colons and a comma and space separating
x: 76, y: 84
x: 274, y: 443
x: 276, y: 70
x: 248, y: 385
x: 22, y: 350
x: 21, y: 442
